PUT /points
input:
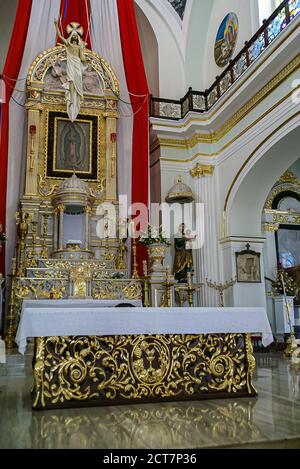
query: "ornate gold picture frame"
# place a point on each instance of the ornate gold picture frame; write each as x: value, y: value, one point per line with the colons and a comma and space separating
x: 72, y: 146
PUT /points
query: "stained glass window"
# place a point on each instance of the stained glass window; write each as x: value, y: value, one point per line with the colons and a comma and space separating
x: 179, y: 6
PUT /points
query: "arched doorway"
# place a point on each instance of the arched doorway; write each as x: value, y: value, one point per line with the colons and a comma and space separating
x: 245, y: 207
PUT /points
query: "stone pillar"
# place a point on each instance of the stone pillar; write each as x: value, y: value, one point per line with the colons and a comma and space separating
x: 88, y: 211
x: 61, y: 209
x: 206, y: 258
x: 243, y: 293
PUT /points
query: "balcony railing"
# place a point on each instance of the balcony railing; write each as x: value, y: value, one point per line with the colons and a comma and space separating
x: 202, y: 101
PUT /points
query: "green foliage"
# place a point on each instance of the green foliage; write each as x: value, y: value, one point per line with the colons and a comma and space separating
x: 154, y: 235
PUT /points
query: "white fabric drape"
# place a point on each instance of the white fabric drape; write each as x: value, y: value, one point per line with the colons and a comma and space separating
x: 106, y: 41
x: 41, y: 35
x: 42, y: 318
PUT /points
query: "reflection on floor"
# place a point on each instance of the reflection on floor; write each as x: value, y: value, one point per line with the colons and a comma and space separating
x: 270, y: 420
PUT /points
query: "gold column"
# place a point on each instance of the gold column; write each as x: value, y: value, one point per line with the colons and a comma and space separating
x: 32, y: 255
x: 21, y: 221
x: 135, y: 273
x: 55, y: 229
x: 44, y: 252
x: 111, y: 156
x: 33, y: 131
x: 88, y: 211
x: 61, y: 209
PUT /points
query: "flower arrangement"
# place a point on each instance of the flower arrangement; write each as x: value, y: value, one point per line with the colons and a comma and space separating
x: 153, y: 235
x: 291, y: 287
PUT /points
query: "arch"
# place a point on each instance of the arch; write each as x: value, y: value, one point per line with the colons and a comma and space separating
x: 149, y: 47
x: 166, y: 25
x: 248, y: 193
x: 292, y: 194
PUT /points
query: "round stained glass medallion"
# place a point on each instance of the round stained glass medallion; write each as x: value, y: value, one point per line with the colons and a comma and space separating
x: 226, y: 39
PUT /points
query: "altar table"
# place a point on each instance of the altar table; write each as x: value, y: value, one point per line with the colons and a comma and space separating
x: 92, y: 355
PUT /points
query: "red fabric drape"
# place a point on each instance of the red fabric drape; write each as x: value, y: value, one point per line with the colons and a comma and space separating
x: 11, y: 71
x: 137, y: 85
x: 75, y: 11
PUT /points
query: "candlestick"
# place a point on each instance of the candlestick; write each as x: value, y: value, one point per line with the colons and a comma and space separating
x: 146, y: 285
x: 166, y: 298
x: 221, y: 287
x: 291, y: 344
x: 22, y: 224
x: 31, y: 261
x: 113, y: 138
x: 44, y: 251
x: 121, y: 257
x: 10, y: 334
x: 135, y: 273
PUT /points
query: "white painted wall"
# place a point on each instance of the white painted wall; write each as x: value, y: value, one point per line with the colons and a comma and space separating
x: 295, y: 168
x: 196, y: 35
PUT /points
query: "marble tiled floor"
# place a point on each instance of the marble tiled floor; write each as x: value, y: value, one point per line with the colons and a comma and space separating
x: 271, y: 420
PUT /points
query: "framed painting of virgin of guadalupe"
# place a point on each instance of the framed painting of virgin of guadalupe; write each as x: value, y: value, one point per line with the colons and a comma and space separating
x: 72, y: 146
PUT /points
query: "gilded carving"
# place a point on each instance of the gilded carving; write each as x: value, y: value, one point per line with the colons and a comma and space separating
x: 201, y: 170
x: 270, y: 227
x: 33, y: 288
x: 287, y: 182
x: 57, y: 54
x: 118, y: 289
x: 130, y: 368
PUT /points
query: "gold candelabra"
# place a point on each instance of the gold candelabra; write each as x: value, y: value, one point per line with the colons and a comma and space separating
x: 44, y: 251
x: 135, y: 273
x: 166, y: 299
x: 291, y: 344
x: 146, y: 285
x: 190, y: 290
x: 22, y: 224
x: 121, y: 257
x: 220, y: 288
x: 181, y: 298
x: 10, y: 333
x: 32, y: 255
x: 108, y: 256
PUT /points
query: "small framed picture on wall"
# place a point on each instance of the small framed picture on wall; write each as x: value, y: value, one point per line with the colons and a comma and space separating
x: 248, y: 266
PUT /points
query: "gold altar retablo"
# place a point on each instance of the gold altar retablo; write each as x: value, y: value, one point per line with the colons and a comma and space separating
x: 70, y: 170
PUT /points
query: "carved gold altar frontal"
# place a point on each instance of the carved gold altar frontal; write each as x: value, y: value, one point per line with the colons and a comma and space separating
x: 91, y: 371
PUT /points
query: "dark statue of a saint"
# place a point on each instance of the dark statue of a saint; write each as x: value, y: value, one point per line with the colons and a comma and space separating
x: 183, y: 261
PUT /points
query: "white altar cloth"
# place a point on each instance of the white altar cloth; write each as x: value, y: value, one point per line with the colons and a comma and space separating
x: 47, y: 318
